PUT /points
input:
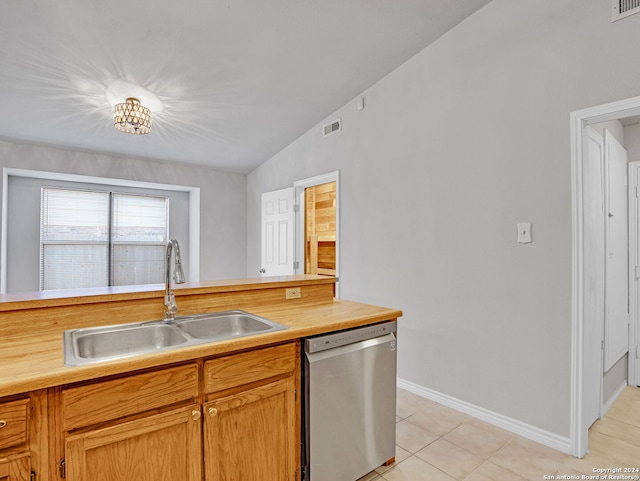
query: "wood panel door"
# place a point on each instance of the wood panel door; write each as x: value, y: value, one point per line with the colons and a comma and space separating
x: 161, y: 447
x: 251, y: 435
x: 15, y: 468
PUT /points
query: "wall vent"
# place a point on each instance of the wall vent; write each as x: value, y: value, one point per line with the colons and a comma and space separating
x: 333, y: 127
x: 624, y: 8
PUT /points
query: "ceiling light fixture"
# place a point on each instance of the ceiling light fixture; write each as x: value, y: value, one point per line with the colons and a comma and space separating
x: 132, y: 117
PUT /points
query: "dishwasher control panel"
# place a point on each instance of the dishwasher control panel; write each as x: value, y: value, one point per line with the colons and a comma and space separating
x: 351, y: 336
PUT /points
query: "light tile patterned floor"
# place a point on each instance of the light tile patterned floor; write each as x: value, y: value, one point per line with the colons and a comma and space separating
x: 435, y: 443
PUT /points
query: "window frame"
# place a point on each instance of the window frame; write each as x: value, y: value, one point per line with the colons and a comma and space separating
x: 193, y: 247
x: 111, y: 244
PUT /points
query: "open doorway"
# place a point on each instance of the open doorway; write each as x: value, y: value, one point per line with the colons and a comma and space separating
x: 318, y: 226
x: 320, y: 229
x: 589, y: 215
x: 300, y: 229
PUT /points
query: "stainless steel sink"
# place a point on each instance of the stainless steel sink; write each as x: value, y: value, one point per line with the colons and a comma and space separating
x: 115, y: 342
x: 225, y: 325
x: 86, y: 346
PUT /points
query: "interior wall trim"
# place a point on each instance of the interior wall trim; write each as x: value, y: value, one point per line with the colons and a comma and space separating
x: 542, y: 436
x: 578, y: 121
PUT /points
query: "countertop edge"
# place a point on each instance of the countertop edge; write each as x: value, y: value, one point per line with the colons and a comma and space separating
x: 329, y: 315
x: 33, y: 300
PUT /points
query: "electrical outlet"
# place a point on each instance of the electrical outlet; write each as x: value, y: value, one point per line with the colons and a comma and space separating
x: 293, y: 293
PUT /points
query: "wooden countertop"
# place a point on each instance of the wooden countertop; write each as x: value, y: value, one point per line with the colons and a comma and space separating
x: 32, y: 359
x: 54, y: 298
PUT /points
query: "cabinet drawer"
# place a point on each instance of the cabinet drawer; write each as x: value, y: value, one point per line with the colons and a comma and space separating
x: 239, y: 369
x: 13, y: 423
x: 114, y: 399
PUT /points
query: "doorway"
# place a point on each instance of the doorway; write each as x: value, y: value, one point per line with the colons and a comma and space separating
x: 586, y: 274
x: 320, y: 229
x: 318, y: 226
x: 300, y: 228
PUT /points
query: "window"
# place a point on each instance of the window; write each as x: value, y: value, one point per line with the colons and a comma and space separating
x: 20, y: 242
x: 95, y: 238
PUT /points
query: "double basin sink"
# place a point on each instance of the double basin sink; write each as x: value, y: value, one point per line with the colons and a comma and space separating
x: 86, y: 346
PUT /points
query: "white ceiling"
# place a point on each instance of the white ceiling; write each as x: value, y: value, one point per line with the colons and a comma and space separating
x: 238, y: 79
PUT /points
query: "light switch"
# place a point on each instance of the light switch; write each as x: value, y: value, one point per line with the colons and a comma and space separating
x: 524, y: 232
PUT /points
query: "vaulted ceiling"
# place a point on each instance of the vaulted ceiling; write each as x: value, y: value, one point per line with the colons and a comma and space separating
x: 238, y: 80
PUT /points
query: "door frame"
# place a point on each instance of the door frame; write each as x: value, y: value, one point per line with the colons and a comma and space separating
x: 578, y: 120
x: 299, y: 188
x: 633, y: 173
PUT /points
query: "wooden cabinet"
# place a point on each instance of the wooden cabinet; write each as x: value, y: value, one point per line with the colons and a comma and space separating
x: 229, y: 418
x: 15, y: 468
x: 104, y: 401
x: 13, y: 423
x: 250, y: 429
x: 251, y: 435
x: 15, y: 464
x: 160, y: 447
x: 144, y: 426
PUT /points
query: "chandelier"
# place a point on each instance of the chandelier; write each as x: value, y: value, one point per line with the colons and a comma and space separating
x: 132, y: 117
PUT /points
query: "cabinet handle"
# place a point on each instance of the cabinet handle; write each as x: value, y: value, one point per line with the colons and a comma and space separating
x: 3, y: 423
x: 213, y: 411
x: 195, y: 414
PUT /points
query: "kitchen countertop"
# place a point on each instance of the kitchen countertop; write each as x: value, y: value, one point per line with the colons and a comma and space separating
x: 34, y: 360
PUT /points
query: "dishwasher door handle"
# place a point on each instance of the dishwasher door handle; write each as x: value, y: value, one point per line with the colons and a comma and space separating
x: 356, y: 346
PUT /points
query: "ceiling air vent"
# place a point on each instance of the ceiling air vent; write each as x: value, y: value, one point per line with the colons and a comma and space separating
x: 624, y: 8
x: 332, y: 127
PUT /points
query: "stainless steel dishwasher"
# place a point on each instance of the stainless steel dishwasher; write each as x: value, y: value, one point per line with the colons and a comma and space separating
x: 349, y: 402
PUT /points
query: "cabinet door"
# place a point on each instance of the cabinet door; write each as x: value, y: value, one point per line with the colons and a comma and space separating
x: 251, y: 436
x: 161, y: 447
x: 16, y: 468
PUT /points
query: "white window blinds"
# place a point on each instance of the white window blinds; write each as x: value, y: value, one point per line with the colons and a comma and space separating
x: 138, y: 239
x: 97, y: 239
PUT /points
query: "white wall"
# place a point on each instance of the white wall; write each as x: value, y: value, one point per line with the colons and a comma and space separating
x: 453, y: 149
x: 222, y: 196
x: 632, y: 141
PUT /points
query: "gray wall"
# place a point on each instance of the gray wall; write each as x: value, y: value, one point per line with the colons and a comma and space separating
x: 632, y: 141
x: 453, y: 149
x: 223, y: 238
x: 614, y: 378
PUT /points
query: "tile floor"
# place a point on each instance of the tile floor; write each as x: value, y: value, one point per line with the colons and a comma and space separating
x: 435, y: 443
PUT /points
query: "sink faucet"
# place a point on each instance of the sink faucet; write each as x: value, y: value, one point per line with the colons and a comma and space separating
x: 170, y: 306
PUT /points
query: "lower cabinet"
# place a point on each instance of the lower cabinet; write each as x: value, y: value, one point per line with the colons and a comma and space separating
x: 251, y: 435
x: 15, y: 468
x: 144, y: 426
x: 15, y: 463
x: 161, y: 447
x: 250, y: 415
x: 228, y: 418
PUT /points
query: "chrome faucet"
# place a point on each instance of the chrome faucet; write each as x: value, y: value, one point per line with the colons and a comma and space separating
x: 170, y: 306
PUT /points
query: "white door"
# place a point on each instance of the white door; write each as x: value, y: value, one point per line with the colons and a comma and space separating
x: 634, y: 264
x: 616, y: 321
x: 278, y: 217
x: 593, y: 275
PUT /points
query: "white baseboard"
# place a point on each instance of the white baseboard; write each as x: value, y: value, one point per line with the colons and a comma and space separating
x: 528, y: 431
x: 614, y: 397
